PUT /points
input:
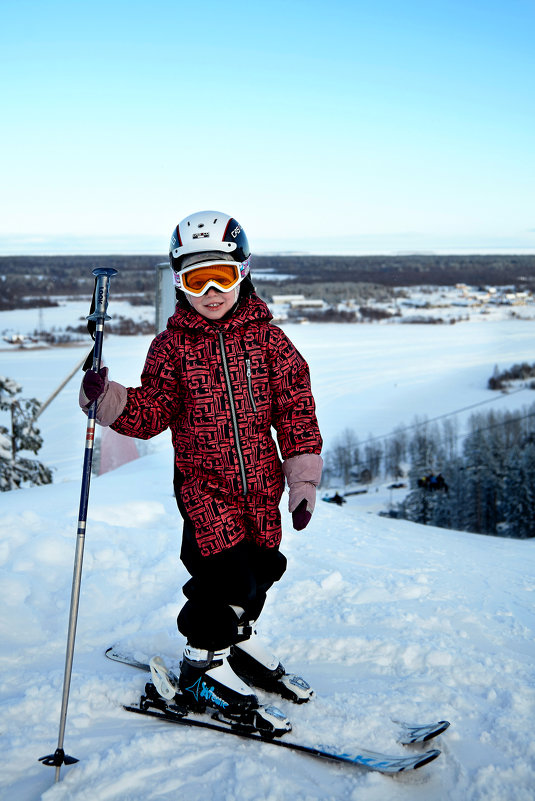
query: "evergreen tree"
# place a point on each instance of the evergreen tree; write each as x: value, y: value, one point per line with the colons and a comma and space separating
x: 457, y: 496
x: 417, y: 506
x: 21, y: 435
x: 519, y: 493
x: 425, y: 450
x: 527, y: 526
x: 480, y: 477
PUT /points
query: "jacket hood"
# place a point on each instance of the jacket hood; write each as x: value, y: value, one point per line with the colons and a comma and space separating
x: 249, y: 310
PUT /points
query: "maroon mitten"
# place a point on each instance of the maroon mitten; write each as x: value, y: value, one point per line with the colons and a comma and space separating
x: 93, y: 384
x: 301, y: 516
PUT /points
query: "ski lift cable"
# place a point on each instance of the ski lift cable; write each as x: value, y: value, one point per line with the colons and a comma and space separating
x: 488, y: 428
x: 495, y: 425
x: 440, y: 417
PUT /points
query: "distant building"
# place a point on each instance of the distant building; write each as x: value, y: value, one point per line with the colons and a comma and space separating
x: 307, y: 303
x: 287, y: 298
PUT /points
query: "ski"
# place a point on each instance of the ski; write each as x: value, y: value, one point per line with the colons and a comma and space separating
x: 407, y: 733
x: 367, y: 760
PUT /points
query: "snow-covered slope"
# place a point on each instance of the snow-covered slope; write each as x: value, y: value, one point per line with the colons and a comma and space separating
x: 387, y: 619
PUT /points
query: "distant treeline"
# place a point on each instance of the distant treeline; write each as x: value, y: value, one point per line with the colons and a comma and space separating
x: 409, y: 270
x: 28, y: 280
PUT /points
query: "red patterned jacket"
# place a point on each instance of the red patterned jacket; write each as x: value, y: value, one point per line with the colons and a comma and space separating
x: 220, y: 387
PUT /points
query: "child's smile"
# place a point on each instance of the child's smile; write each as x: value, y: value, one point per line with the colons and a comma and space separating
x: 213, y: 304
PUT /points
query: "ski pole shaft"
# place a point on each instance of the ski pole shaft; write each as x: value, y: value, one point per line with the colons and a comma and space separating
x: 99, y: 316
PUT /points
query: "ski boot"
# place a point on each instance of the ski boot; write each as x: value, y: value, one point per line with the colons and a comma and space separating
x: 207, y: 679
x: 209, y: 682
x: 254, y: 663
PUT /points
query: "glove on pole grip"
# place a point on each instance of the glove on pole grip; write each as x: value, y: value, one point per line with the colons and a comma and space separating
x: 97, y: 317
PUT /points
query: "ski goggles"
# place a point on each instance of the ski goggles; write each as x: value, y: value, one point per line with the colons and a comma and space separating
x: 222, y: 275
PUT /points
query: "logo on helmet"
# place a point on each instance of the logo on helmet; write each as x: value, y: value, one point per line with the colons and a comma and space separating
x: 202, y: 235
x: 235, y: 232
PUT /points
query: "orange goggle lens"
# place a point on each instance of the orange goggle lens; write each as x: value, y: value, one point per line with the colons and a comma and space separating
x: 196, y: 280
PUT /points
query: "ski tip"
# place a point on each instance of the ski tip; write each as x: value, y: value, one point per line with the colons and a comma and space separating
x: 416, y: 733
x: 426, y: 758
x: 440, y: 728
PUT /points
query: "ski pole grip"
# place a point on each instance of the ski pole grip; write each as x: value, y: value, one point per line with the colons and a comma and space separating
x: 102, y: 289
x: 98, y: 315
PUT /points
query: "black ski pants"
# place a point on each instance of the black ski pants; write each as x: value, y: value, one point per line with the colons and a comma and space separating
x: 237, y: 576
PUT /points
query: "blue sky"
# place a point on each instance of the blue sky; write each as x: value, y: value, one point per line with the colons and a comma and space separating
x: 327, y: 127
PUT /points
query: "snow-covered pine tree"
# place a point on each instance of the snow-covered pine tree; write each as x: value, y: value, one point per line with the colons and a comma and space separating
x: 518, y: 499
x: 422, y: 450
x: 479, y: 477
x: 21, y: 434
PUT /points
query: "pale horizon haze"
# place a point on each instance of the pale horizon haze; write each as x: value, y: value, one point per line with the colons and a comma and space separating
x: 349, y: 127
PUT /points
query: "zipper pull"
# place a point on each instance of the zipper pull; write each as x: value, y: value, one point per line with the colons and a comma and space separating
x: 249, y: 380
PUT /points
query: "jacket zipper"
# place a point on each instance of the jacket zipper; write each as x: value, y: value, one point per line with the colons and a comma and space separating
x: 233, y: 413
x: 249, y: 381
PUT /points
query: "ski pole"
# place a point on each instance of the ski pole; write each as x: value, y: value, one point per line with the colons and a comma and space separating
x: 96, y: 318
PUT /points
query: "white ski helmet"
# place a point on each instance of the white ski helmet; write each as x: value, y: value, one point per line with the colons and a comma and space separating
x: 208, y: 236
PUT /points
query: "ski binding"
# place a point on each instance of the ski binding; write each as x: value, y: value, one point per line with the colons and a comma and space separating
x: 267, y: 720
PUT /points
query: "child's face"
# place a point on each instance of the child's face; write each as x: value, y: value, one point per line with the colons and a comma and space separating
x: 213, y: 304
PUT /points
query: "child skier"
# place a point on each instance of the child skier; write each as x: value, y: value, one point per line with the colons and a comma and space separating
x: 220, y: 376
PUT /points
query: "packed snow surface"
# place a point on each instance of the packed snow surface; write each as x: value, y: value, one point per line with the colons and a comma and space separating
x: 386, y: 619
